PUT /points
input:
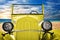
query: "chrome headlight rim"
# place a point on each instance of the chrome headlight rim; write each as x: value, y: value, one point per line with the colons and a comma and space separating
x: 45, y: 28
x: 6, y: 26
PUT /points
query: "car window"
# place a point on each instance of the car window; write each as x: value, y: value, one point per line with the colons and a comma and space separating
x: 27, y: 9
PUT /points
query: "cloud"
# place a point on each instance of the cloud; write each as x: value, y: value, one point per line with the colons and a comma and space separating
x: 5, y: 12
x: 9, y: 3
x: 51, y: 12
x: 25, y: 1
x: 26, y: 9
x: 6, y: 8
x: 2, y: 0
x: 53, y: 3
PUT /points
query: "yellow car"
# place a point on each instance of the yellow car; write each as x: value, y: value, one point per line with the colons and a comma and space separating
x: 28, y: 23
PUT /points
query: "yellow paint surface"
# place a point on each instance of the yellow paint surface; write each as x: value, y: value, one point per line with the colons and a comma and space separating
x: 28, y: 23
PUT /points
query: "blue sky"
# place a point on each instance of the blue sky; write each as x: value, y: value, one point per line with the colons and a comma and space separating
x: 52, y: 7
x: 53, y: 11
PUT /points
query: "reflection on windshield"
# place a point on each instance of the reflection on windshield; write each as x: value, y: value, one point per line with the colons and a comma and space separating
x: 27, y: 9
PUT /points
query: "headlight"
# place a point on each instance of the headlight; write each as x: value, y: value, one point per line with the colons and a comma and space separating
x: 7, y: 26
x: 47, y: 25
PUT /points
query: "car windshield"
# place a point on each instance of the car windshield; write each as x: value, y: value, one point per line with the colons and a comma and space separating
x: 27, y: 9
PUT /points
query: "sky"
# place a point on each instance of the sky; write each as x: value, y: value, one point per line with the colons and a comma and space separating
x: 51, y: 7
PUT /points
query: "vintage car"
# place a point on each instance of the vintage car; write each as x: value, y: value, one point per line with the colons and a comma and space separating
x: 27, y: 23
